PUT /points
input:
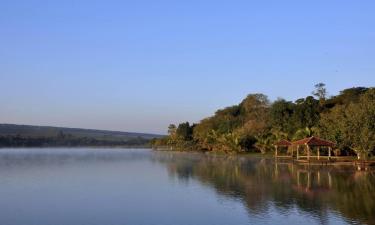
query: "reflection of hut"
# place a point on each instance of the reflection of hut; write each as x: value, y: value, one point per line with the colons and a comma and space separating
x: 312, y: 182
x: 282, y: 144
x: 310, y: 143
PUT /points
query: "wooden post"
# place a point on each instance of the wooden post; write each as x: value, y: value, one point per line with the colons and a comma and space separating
x: 275, y: 151
x: 297, y: 152
x: 318, y: 153
x: 329, y: 153
x: 308, y: 152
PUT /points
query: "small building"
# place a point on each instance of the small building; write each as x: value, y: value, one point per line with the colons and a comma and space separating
x: 282, y: 144
x: 309, y: 144
x: 313, y: 142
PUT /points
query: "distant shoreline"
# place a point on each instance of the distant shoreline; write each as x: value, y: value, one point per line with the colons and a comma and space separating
x: 12, y: 135
x: 56, y: 147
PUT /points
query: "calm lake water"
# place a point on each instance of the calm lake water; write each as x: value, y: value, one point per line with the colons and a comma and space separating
x: 141, y: 187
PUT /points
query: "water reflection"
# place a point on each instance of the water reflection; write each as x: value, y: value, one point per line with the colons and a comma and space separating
x: 264, y: 185
x: 141, y: 187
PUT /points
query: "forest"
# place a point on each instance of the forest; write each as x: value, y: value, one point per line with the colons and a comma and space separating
x: 12, y: 135
x: 67, y: 141
x: 348, y: 119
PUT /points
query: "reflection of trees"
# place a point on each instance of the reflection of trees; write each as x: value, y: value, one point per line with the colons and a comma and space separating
x: 260, y: 183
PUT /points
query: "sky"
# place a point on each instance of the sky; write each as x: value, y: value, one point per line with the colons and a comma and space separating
x: 141, y: 65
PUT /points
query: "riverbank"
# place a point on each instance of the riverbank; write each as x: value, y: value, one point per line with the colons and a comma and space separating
x: 323, y: 161
x: 344, y: 124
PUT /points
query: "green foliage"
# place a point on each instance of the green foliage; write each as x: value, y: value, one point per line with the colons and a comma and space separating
x: 68, y: 140
x: 320, y: 92
x: 264, y: 143
x: 229, y: 142
x: 255, y: 124
x: 247, y: 142
x: 172, y: 129
x: 184, y: 132
x: 352, y: 125
x: 306, y: 113
x: 302, y: 133
x: 12, y: 135
x: 281, y: 117
x: 346, y: 96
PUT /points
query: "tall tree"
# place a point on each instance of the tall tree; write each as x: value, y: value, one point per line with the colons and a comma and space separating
x: 172, y: 129
x: 306, y: 112
x: 352, y: 126
x: 184, y: 131
x: 281, y: 116
x: 320, y: 91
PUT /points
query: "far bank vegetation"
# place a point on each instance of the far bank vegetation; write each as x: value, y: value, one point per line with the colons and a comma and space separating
x: 347, y: 119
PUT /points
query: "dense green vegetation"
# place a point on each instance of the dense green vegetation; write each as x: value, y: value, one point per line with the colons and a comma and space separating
x: 253, y: 125
x: 36, y: 136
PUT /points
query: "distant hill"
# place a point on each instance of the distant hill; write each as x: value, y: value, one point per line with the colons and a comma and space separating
x: 25, y: 135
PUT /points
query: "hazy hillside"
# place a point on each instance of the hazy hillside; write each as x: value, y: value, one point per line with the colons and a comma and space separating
x: 46, y: 131
x: 26, y: 135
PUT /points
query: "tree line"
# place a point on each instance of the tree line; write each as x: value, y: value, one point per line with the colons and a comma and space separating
x: 347, y: 119
x: 66, y: 140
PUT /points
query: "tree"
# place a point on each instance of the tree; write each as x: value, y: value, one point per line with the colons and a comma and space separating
x: 346, y: 96
x: 281, y: 117
x: 255, y: 114
x: 172, y: 129
x: 264, y: 143
x: 303, y: 133
x: 320, y: 91
x: 255, y: 105
x: 184, y: 131
x: 348, y: 119
x: 229, y: 142
x: 306, y: 113
x: 352, y: 126
x: 361, y: 117
x: 334, y: 126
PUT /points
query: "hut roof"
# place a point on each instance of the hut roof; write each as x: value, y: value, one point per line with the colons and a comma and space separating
x: 283, y: 143
x: 314, y: 141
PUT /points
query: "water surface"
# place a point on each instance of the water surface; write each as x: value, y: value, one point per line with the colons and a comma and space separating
x: 141, y: 187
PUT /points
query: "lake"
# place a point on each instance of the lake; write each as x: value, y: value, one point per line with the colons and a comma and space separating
x: 106, y: 186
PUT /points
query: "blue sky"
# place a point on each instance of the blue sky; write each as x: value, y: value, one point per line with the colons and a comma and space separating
x: 140, y: 65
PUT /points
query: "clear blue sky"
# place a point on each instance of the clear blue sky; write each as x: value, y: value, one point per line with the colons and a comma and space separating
x: 140, y: 65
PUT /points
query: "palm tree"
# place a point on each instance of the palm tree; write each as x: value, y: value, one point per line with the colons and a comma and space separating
x: 303, y: 133
x: 263, y: 143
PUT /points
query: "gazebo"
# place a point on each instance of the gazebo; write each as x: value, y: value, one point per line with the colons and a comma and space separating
x: 283, y: 143
x: 313, y: 142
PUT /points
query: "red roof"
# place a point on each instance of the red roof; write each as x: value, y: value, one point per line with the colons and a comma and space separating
x: 314, y: 141
x: 283, y: 143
